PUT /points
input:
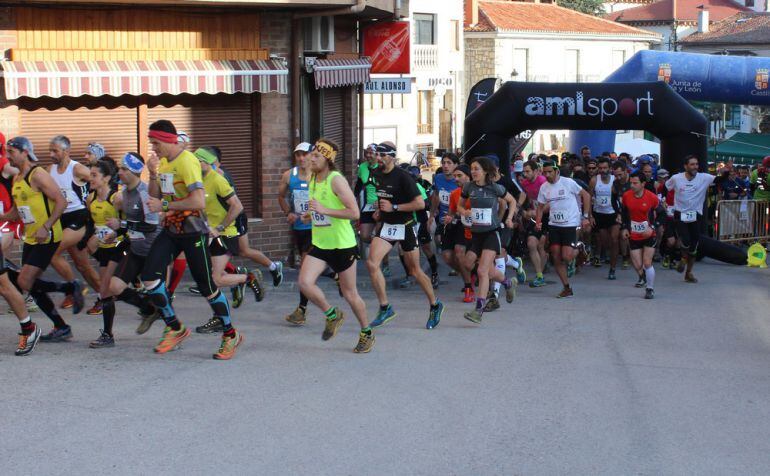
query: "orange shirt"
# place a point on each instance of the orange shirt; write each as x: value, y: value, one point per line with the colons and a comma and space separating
x: 454, y: 199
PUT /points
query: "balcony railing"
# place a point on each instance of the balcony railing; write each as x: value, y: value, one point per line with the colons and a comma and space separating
x: 425, y: 128
x: 425, y: 57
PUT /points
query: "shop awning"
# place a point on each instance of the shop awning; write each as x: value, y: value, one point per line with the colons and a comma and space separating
x: 54, y: 79
x: 334, y: 73
x: 742, y: 148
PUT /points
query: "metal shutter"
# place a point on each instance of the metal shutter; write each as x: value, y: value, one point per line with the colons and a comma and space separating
x: 225, y: 122
x: 114, y: 128
x: 334, y: 120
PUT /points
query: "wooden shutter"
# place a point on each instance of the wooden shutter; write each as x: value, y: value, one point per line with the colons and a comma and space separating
x: 334, y: 121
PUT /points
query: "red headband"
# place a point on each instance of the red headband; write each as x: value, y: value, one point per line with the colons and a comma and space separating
x: 167, y: 137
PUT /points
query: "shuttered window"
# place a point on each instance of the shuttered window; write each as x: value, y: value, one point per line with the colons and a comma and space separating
x: 334, y: 120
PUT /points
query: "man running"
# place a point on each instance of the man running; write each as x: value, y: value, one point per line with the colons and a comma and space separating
x: 398, y: 199
x: 457, y: 233
x: 531, y: 182
x: 332, y: 205
x: 620, y: 186
x: 604, y: 217
x: 443, y: 185
x: 559, y: 197
x: 640, y: 215
x: 367, y: 194
x: 94, y: 153
x: 690, y: 189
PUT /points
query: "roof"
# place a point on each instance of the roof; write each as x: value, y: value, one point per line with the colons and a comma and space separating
x: 739, y: 29
x: 743, y: 148
x: 511, y: 16
x: 686, y: 10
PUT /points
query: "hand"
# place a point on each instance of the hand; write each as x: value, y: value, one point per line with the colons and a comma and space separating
x: 306, y: 218
x: 113, y: 223
x: 42, y: 234
x: 291, y: 218
x: 154, y: 204
x: 538, y: 226
x: 625, y: 234
x: 593, y: 221
x: 466, y: 212
x: 585, y: 224
x: 509, y: 223
x: 315, y: 206
x: 447, y: 219
x: 213, y: 233
x: 110, y: 238
x: 376, y: 215
x: 385, y: 205
x: 152, y: 163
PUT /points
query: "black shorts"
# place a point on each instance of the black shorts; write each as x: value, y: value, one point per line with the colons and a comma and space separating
x: 38, y: 256
x: 562, y: 236
x: 167, y: 246
x: 486, y: 240
x: 423, y: 233
x: 337, y: 259
x: 242, y: 224
x: 130, y: 267
x: 506, y: 236
x: 366, y: 217
x: 103, y: 256
x: 225, y: 245
x: 669, y: 228
x: 90, y: 228
x: 303, y: 240
x: 75, y: 220
x: 688, y: 233
x: 409, y: 242
x: 605, y: 221
x: 650, y: 242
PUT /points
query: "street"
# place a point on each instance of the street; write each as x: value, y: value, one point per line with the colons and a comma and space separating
x: 605, y: 383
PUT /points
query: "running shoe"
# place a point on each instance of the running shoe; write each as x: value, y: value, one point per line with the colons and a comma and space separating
x: 254, y: 281
x: 277, y: 274
x: 537, y: 282
x: 66, y: 303
x: 642, y: 282
x: 469, y: 295
x: 521, y: 275
x: 29, y: 301
x: 571, y: 269
x: 596, y: 262
x: 58, y: 335
x: 228, y: 346
x: 78, y: 299
x: 104, y: 340
x: 611, y: 276
x: 434, y: 281
x: 213, y: 326
x: 171, y: 339
x: 626, y: 263
x: 649, y: 294
x: 565, y: 293
x: 333, y: 325
x: 452, y: 273
x: 405, y: 283
x: 96, y: 309
x: 27, y: 343
x: 386, y: 271
x: 510, y: 291
x: 689, y: 278
x: 383, y: 317
x: 147, y: 321
x: 680, y: 266
x: 237, y: 293
x: 194, y: 290
x: 666, y: 263
x: 365, y: 343
x: 492, y: 304
x: 297, y: 317
x: 473, y: 316
x: 434, y: 317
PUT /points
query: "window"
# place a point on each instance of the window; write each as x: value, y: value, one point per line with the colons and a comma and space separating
x: 454, y: 34
x: 618, y: 58
x: 520, y: 71
x: 733, y: 117
x: 425, y: 149
x: 572, y: 65
x: 424, y: 32
x: 424, y: 112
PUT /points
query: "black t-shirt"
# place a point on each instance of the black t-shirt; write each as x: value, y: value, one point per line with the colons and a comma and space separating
x: 510, y: 186
x: 398, y: 187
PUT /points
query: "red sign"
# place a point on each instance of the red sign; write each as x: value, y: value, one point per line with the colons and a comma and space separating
x: 387, y: 43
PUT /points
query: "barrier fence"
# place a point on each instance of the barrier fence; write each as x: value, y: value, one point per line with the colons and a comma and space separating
x: 742, y: 220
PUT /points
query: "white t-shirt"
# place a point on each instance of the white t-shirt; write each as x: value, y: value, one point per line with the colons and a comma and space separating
x: 563, y: 197
x: 690, y: 194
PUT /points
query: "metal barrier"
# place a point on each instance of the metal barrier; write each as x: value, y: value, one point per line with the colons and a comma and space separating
x: 742, y: 220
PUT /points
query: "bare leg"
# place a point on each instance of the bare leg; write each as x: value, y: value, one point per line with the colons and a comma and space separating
x: 221, y: 278
x: 412, y: 260
x: 378, y: 250
x: 311, y: 269
x: 559, y: 264
x: 350, y: 293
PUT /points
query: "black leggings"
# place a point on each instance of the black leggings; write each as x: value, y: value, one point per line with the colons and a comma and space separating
x: 167, y: 247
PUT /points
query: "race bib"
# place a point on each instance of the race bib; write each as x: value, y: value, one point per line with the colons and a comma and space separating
x: 135, y: 235
x: 368, y: 208
x: 26, y: 214
x: 467, y: 221
x: 640, y: 227
x: 670, y: 211
x: 393, y: 232
x: 320, y: 220
x: 558, y: 217
x: 689, y: 216
x: 602, y: 200
x: 443, y: 197
x: 167, y: 184
x: 301, y: 198
x: 69, y: 195
x: 481, y: 216
x: 103, y: 232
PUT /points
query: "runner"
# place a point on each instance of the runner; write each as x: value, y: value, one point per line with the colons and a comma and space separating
x: 398, y: 198
x: 668, y: 245
x: 457, y: 232
x: 531, y: 183
x: 443, y: 185
x: 367, y: 198
x: 94, y: 153
x: 604, y: 217
x: 690, y: 189
x: 559, y: 197
x: 72, y: 179
x: 176, y: 188
x: 423, y: 230
x: 640, y: 214
x: 332, y: 206
x: 39, y: 203
x: 620, y: 186
x: 486, y: 214
x: 293, y: 196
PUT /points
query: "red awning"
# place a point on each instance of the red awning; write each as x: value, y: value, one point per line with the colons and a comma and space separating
x: 115, y: 78
x: 333, y: 73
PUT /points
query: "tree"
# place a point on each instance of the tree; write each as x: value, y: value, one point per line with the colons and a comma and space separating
x: 591, y: 7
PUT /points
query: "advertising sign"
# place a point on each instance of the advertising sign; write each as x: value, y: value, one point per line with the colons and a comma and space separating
x: 387, y: 43
x: 388, y: 86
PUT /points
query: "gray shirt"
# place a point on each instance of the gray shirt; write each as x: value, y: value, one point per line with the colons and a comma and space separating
x: 143, y: 225
x: 485, y: 207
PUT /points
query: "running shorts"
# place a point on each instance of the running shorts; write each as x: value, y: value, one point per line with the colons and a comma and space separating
x: 688, y: 233
x: 486, y: 240
x: 338, y: 259
x: 38, y: 255
x: 75, y: 220
x: 103, y: 256
x: 562, y: 235
x: 409, y: 242
x: 650, y: 242
x: 605, y: 221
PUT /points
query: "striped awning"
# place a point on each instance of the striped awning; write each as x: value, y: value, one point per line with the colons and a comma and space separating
x: 54, y: 79
x: 333, y: 73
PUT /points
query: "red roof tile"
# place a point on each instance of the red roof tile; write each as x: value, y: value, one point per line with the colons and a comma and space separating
x: 686, y: 10
x: 739, y: 29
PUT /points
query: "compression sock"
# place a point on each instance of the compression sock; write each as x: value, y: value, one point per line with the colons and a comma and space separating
x: 160, y: 300
x: 650, y: 274
x: 221, y: 308
x: 108, y: 314
x: 140, y: 301
x: 433, y: 264
x: 48, y: 308
x: 177, y: 271
x: 302, y: 301
x: 47, y: 286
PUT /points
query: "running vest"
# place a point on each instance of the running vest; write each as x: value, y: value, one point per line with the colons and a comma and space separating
x: 101, y: 211
x: 330, y: 233
x: 298, y: 198
x: 143, y: 225
x: 74, y: 194
x: 603, y: 196
x: 34, y: 209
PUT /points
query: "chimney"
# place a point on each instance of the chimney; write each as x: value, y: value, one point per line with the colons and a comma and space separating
x: 703, y: 19
x: 471, y: 12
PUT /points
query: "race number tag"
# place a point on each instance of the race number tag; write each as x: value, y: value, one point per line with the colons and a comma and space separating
x: 69, y: 195
x: 167, y: 184
x: 640, y: 227
x: 603, y: 200
x: 670, y: 211
x: 301, y: 198
x: 135, y: 235
x: 368, y: 208
x: 558, y: 216
x: 103, y: 232
x: 467, y: 221
x: 320, y: 220
x: 689, y: 216
x: 393, y: 232
x: 481, y: 216
x: 443, y: 197
x: 26, y: 214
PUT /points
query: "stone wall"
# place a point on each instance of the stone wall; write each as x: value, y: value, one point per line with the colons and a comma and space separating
x: 479, y: 61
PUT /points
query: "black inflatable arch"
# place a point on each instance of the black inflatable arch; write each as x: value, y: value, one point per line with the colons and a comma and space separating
x: 653, y: 107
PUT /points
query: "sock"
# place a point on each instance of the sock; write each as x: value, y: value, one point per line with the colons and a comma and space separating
x: 177, y: 271
x: 433, y: 264
x: 221, y: 308
x: 509, y: 261
x: 650, y: 273
x: 141, y: 301
x: 108, y: 314
x: 366, y: 330
x: 302, y: 301
x: 159, y: 298
x: 434, y: 305
x: 496, y: 288
x: 27, y: 326
x: 500, y: 266
x: 468, y: 286
x: 47, y: 286
x: 480, y: 302
x: 539, y: 275
x: 272, y: 266
x: 47, y: 306
x: 403, y: 263
x: 384, y: 307
x: 230, y: 269
x: 331, y: 313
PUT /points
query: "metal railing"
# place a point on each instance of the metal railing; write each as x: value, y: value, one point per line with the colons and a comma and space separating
x: 425, y: 57
x: 425, y: 128
x: 742, y: 220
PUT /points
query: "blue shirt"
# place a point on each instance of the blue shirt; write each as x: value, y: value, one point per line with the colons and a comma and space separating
x: 443, y: 187
x: 298, y: 198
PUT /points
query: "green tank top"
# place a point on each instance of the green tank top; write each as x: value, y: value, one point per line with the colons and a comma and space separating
x: 330, y: 233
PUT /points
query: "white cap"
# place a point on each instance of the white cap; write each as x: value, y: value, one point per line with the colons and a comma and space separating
x: 182, y: 137
x: 303, y: 147
x: 518, y: 166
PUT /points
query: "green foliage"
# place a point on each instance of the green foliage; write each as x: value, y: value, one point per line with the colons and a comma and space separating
x: 591, y: 7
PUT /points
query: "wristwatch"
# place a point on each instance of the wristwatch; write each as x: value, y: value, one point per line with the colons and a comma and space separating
x: 395, y: 207
x: 164, y: 205
x: 585, y: 216
x: 220, y: 228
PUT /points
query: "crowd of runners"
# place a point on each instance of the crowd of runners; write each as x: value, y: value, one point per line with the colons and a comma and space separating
x: 144, y: 221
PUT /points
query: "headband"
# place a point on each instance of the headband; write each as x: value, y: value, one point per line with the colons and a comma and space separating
x: 132, y: 163
x: 204, y: 155
x: 385, y: 149
x: 166, y: 137
x: 326, y: 150
x: 96, y: 149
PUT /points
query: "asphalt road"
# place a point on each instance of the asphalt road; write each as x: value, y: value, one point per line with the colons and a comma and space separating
x: 605, y: 383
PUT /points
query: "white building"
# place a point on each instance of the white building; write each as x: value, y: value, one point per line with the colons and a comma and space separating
x: 542, y: 42
x: 431, y: 116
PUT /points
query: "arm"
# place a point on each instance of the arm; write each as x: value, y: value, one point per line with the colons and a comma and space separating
x: 81, y: 172
x: 417, y: 203
x: 196, y: 200
x: 283, y: 188
x: 11, y: 215
x: 511, y: 202
x: 346, y: 196
x: 434, y: 201
x: 586, y: 197
x: 235, y: 209
x: 153, y: 187
x: 9, y: 170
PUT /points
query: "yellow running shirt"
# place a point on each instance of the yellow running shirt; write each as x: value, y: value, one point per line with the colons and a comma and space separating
x: 34, y: 208
x: 218, y: 191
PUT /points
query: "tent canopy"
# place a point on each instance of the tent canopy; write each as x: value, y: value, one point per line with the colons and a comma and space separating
x: 743, y: 148
x: 637, y: 147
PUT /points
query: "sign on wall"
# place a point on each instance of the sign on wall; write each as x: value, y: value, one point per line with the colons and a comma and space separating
x: 388, y: 86
x: 387, y: 43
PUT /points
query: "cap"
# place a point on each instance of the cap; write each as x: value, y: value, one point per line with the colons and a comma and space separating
x: 662, y: 173
x: 494, y: 159
x: 303, y: 147
x: 518, y: 166
x: 205, y: 155
x: 133, y: 162
x: 97, y: 150
x: 22, y: 143
x: 464, y: 169
x: 386, y: 148
x: 766, y: 161
x: 182, y: 137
